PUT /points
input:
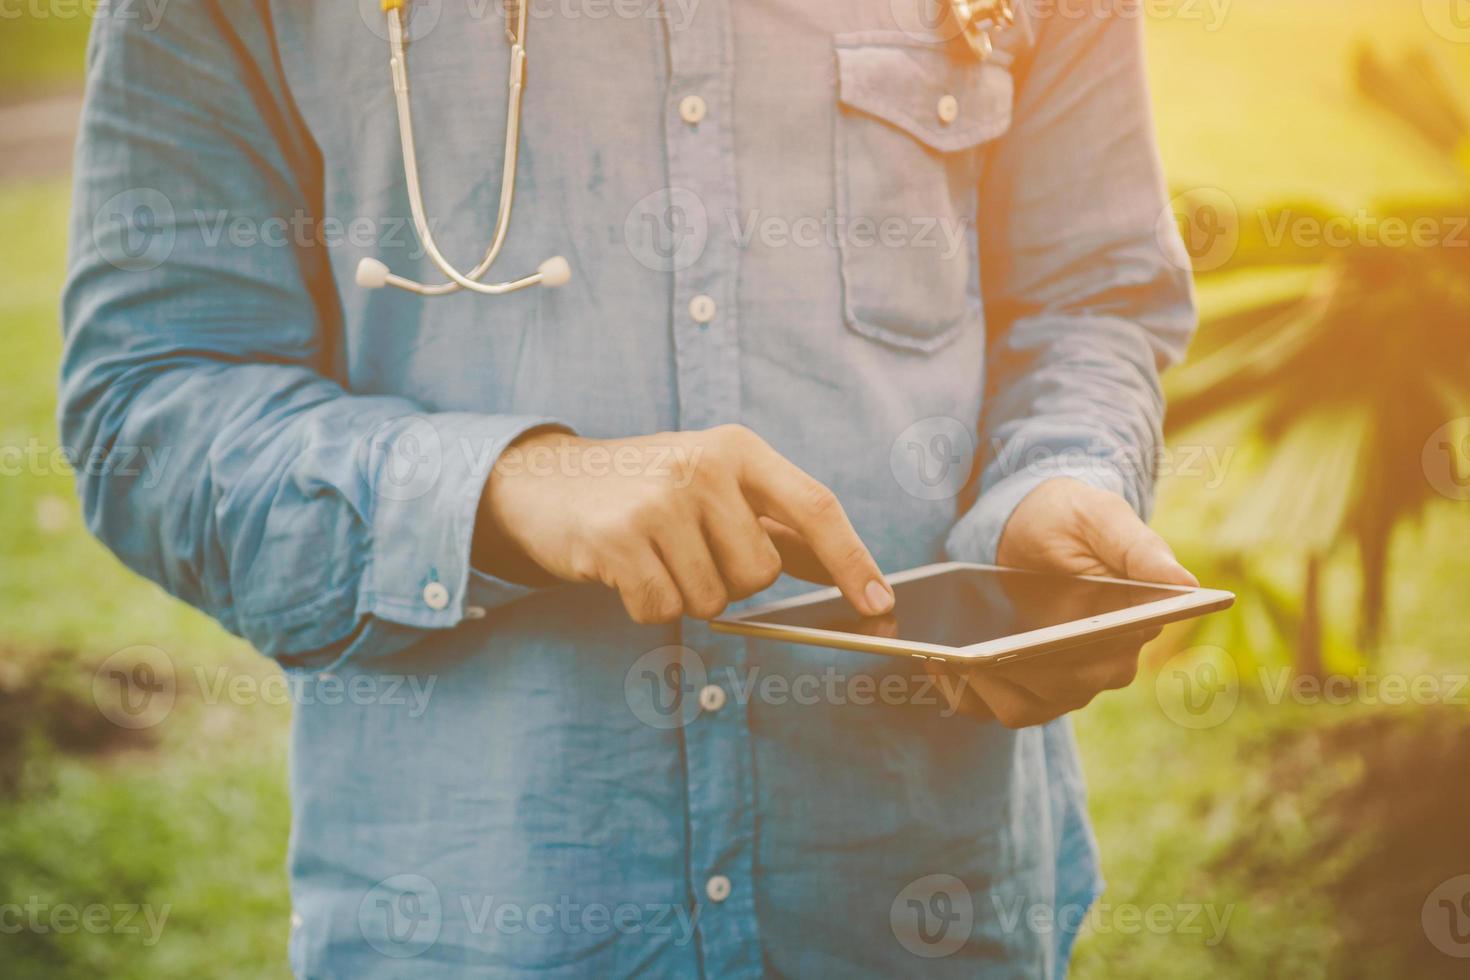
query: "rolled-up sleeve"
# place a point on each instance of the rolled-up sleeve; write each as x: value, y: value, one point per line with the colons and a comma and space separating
x: 1086, y: 284
x: 200, y: 326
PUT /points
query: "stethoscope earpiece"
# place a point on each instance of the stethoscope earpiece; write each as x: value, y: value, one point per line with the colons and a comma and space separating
x: 372, y: 274
x: 555, y: 271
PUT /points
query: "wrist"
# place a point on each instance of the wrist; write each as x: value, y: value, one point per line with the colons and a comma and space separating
x: 495, y: 548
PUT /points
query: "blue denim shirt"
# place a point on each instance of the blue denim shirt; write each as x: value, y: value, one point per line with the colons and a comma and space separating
x: 928, y: 281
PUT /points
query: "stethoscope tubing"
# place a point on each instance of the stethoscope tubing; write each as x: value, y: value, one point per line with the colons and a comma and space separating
x: 372, y: 273
x: 975, y: 18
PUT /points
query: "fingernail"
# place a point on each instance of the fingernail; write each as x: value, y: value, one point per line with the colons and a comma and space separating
x: 880, y: 598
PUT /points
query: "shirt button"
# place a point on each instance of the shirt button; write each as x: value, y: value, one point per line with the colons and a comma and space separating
x: 712, y: 697
x: 948, y: 109
x: 717, y: 888
x: 691, y: 109
x: 436, y: 596
x: 702, y: 308
x: 474, y: 612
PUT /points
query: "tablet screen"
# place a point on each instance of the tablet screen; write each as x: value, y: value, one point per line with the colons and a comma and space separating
x: 965, y: 606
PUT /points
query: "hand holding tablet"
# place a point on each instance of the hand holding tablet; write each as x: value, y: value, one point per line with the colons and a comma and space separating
x: 1100, y: 583
x: 979, y: 615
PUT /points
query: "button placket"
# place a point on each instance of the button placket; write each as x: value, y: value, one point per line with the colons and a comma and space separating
x: 701, y: 160
x: 699, y: 141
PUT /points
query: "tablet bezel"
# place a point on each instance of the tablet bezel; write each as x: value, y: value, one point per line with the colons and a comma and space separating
x: 1188, y: 603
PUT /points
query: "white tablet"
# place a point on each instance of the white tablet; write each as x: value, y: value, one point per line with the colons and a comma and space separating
x: 978, y: 614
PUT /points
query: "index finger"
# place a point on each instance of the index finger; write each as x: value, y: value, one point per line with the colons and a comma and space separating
x: 780, y: 489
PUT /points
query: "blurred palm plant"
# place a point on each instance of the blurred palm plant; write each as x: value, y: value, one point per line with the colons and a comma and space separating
x: 1345, y: 374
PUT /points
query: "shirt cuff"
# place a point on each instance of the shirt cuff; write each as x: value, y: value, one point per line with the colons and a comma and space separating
x: 426, y: 474
x: 976, y: 536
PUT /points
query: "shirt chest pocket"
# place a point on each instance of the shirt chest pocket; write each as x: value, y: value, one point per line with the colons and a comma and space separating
x: 913, y: 124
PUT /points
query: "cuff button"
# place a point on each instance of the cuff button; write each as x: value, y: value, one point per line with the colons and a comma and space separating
x: 436, y: 596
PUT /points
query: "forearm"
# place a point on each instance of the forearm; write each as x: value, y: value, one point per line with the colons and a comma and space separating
x: 310, y: 519
x: 1087, y: 290
x: 285, y: 507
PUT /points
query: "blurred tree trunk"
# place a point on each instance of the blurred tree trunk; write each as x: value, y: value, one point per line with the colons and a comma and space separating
x: 1309, y: 638
x: 1373, y: 558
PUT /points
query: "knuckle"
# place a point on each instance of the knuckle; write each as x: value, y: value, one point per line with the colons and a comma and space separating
x: 820, y: 502
x: 740, y: 583
x: 757, y: 570
x: 708, y: 601
x: 854, y: 556
x: 704, y: 471
x: 752, y: 578
x: 652, y: 603
x: 611, y: 526
x: 649, y: 509
x: 766, y: 568
x: 736, y: 434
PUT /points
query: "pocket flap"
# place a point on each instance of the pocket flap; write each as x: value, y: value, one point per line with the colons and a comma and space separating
x: 909, y: 84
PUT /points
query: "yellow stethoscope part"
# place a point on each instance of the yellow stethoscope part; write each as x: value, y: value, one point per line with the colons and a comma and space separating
x: 976, y: 20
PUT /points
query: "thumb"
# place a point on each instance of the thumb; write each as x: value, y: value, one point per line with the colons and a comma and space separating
x: 1157, y: 563
x: 1130, y: 548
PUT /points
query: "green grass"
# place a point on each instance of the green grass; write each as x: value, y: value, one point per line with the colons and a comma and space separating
x: 194, y: 833
x: 1261, y: 107
x: 1162, y: 800
x: 58, y: 586
x: 197, y: 824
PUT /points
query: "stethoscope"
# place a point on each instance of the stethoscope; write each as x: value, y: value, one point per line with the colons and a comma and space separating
x: 372, y: 273
x: 976, y: 19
